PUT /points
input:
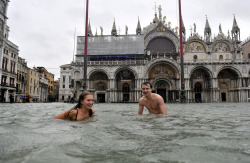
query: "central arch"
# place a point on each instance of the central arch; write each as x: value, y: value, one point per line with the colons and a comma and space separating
x: 200, y: 84
x: 165, y: 80
x: 125, y: 84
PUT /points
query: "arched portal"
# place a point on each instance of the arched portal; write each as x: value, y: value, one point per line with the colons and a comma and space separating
x: 163, y: 77
x: 197, y: 91
x: 99, y: 83
x: 162, y: 88
x: 125, y: 84
x: 228, y: 83
x: 200, y: 84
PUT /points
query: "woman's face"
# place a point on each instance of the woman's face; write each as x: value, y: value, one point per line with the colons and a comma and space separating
x: 88, y: 102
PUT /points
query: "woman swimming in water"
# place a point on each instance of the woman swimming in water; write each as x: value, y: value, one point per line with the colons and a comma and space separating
x: 82, y: 110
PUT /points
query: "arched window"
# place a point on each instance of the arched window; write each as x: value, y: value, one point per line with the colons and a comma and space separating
x: 221, y: 57
x: 125, y: 87
x: 195, y: 58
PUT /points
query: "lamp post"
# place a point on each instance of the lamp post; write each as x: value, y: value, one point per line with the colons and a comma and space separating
x: 86, y: 48
x: 182, y: 94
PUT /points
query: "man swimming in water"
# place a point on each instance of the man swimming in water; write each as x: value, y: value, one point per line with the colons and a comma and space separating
x: 152, y: 101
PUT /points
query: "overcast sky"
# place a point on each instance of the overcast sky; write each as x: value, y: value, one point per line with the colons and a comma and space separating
x: 44, y: 29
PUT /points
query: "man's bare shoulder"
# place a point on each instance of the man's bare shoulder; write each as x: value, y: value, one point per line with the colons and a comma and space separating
x: 157, y: 97
x: 142, y: 99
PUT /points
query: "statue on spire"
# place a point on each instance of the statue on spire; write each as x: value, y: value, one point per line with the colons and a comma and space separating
x: 126, y: 30
x: 154, y: 8
x: 220, y: 30
x: 160, y: 15
x: 194, y: 28
x: 164, y: 19
x: 101, y: 31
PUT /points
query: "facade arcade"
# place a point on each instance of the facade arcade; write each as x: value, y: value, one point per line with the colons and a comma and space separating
x: 214, y: 69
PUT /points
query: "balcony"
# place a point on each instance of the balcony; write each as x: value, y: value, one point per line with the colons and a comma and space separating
x: 214, y: 61
x: 8, y: 85
x: 112, y: 62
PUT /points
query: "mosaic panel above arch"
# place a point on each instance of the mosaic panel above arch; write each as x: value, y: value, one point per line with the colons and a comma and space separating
x: 162, y: 70
x: 221, y: 47
x: 195, y: 47
x: 228, y: 73
x: 125, y: 74
x: 200, y: 73
x: 98, y: 75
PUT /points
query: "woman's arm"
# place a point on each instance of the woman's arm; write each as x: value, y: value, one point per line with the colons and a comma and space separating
x: 67, y: 114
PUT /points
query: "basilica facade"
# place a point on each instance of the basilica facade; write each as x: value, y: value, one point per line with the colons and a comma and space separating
x: 214, y: 67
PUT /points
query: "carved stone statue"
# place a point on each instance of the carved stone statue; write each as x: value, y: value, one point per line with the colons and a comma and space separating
x: 126, y: 29
x: 194, y: 28
x: 101, y: 31
x: 220, y: 30
x: 176, y: 30
x: 191, y: 30
x: 169, y: 24
x: 164, y: 19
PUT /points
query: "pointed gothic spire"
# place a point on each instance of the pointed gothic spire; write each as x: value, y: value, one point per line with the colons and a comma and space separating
x: 138, y: 29
x: 235, y: 31
x: 207, y: 26
x: 207, y: 31
x: 160, y: 15
x: 89, y: 30
x: 235, y: 25
x: 114, y: 31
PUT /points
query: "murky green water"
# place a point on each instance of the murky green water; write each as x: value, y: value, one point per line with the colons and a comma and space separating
x: 214, y: 132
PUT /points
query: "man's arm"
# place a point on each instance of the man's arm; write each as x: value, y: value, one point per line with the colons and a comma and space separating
x: 141, y: 106
x: 162, y: 106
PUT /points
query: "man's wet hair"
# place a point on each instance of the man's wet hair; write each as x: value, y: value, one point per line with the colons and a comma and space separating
x: 145, y: 83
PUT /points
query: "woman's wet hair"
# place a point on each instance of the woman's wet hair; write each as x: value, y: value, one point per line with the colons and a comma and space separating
x: 81, y: 98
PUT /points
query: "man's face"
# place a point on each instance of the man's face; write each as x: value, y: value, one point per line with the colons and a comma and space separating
x: 146, y: 90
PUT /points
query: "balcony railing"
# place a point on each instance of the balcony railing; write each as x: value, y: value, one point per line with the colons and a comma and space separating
x: 215, y: 61
x: 141, y: 61
x: 113, y: 62
x: 8, y: 85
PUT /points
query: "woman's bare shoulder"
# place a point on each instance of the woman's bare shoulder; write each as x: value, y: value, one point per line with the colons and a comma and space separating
x: 66, y: 114
x: 93, y: 111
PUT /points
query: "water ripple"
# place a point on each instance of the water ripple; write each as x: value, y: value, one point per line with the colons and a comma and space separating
x: 189, y: 133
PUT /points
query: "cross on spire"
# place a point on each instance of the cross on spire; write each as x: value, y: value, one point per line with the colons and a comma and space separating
x: 155, y: 7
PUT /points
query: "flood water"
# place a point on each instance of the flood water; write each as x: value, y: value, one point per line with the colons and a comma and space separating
x: 214, y: 132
